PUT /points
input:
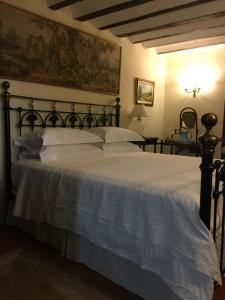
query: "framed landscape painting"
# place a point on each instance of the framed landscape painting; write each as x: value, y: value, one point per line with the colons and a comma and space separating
x: 145, y: 91
x: 36, y: 49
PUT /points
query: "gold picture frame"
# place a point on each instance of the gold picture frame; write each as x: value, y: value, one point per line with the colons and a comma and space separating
x: 145, y: 91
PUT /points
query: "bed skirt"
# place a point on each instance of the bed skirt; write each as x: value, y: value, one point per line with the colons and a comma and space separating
x: 121, y: 271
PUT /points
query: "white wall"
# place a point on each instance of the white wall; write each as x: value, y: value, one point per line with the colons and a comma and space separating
x: 136, y: 62
x: 209, y: 99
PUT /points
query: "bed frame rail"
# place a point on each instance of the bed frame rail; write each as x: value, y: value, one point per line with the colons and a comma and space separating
x: 219, y: 210
x: 212, y: 195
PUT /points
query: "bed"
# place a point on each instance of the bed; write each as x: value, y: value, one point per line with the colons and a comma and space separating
x: 134, y: 217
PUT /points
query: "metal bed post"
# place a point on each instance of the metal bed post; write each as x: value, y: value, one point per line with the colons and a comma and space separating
x: 117, y: 112
x: 6, y: 105
x: 208, y: 143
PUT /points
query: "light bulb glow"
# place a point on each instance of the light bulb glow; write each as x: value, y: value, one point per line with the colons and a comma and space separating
x: 198, y: 76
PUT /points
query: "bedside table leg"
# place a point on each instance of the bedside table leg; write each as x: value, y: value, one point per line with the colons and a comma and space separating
x: 161, y: 147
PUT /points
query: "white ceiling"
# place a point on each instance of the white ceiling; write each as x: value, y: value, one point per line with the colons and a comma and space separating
x: 167, y: 25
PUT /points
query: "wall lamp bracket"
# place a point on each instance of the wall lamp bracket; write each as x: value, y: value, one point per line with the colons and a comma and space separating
x: 194, y: 91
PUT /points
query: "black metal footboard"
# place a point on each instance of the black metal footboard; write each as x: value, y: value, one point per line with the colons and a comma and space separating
x: 219, y: 210
x: 212, y: 197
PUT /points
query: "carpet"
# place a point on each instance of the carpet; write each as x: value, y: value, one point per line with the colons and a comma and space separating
x: 27, y: 274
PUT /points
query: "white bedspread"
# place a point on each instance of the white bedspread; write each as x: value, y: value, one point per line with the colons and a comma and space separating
x: 141, y: 206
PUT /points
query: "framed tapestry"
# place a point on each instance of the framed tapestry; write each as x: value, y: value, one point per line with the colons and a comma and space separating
x: 144, y: 91
x: 36, y: 49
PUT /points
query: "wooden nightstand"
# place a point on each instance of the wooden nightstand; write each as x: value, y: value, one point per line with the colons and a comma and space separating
x: 177, y: 147
x: 148, y: 140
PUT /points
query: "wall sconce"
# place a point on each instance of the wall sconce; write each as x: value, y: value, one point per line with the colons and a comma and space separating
x: 139, y: 111
x: 194, y: 91
x: 197, y: 77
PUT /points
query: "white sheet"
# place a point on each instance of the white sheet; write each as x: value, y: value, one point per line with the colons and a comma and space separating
x: 141, y: 206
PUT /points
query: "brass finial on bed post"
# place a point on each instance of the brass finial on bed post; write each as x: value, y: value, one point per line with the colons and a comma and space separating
x: 117, y: 111
x: 6, y: 86
x: 208, y: 143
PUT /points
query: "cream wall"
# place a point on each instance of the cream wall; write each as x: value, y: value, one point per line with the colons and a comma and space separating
x: 136, y: 62
x: 146, y: 64
x: 211, y: 61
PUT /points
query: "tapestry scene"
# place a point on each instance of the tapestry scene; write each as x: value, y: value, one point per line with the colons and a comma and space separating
x: 39, y: 50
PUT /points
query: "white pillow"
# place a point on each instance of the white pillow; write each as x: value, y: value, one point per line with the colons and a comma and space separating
x: 68, y: 136
x: 116, y: 134
x: 71, y: 152
x: 27, y: 154
x: 55, y: 136
x: 121, y: 147
x: 30, y: 141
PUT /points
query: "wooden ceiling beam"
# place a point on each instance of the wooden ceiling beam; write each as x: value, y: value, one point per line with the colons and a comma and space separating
x: 170, y: 19
x: 137, y: 11
x: 111, y: 9
x: 61, y: 4
x: 166, y: 25
x: 198, y: 34
x: 171, y: 25
x: 155, y: 13
x: 191, y: 45
x: 174, y: 35
x: 185, y: 27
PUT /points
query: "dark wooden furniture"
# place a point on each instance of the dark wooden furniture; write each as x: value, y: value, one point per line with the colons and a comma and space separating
x: 147, y: 141
x: 176, y: 147
x: 168, y: 143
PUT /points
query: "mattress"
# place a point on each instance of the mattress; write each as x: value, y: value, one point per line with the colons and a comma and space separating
x: 143, y: 207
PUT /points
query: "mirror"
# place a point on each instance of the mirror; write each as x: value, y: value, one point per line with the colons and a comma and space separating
x: 189, y: 122
x: 189, y: 119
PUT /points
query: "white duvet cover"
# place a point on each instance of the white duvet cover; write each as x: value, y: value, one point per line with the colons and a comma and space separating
x: 141, y: 206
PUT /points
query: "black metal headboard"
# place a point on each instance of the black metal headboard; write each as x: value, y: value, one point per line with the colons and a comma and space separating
x: 32, y: 112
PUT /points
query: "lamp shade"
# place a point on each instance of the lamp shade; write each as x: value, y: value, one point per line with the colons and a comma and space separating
x: 139, y: 111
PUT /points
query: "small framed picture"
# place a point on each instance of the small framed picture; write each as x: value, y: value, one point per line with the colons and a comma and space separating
x: 145, y: 91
